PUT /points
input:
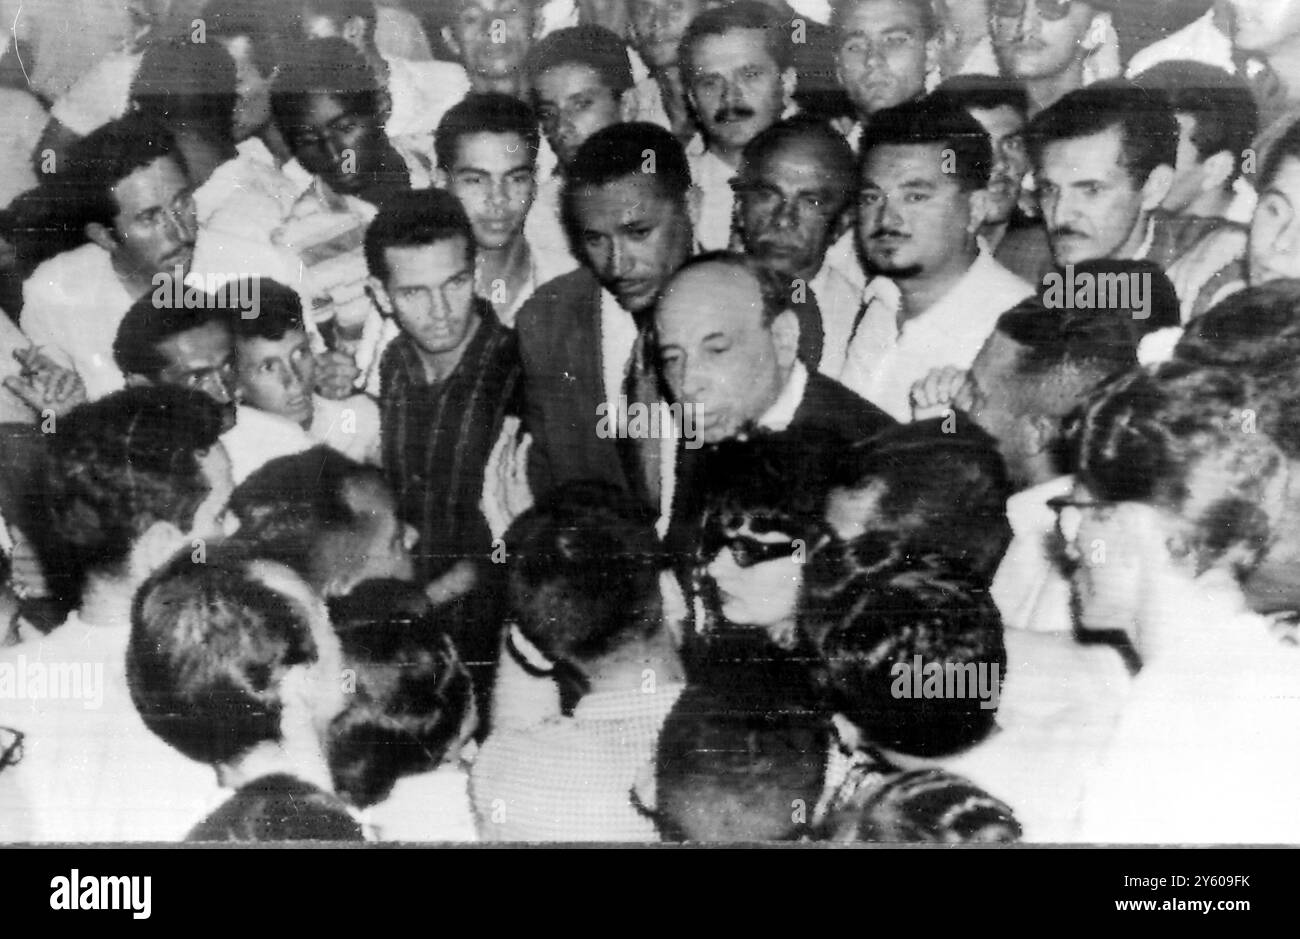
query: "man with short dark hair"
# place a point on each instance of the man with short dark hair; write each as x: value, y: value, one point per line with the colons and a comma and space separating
x: 492, y: 39
x: 447, y: 383
x: 924, y: 196
x: 738, y: 66
x: 629, y: 209
x: 793, y: 202
x: 657, y: 28
x: 584, y: 587
x: 256, y: 710
x: 133, y: 192
x: 129, y: 480
x: 884, y: 50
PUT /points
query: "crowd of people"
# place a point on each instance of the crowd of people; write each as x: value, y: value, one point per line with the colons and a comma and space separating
x: 640, y: 420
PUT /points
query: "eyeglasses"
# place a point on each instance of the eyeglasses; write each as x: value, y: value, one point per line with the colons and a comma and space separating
x: 1047, y: 9
x: 747, y: 552
x: 11, y: 747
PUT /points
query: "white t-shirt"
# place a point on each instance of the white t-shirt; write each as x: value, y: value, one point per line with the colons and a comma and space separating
x: 350, y: 426
x: 259, y: 437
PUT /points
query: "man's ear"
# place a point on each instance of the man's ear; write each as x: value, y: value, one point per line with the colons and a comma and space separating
x: 1157, y: 187
x: 789, y: 82
x: 785, y: 336
x: 155, y: 547
x: 103, y: 236
x: 1038, y: 431
x: 1216, y: 171
x: 375, y: 287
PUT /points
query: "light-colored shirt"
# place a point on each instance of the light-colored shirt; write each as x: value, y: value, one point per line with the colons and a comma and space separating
x: 421, y: 92
x: 1199, y: 41
x: 885, y: 359
x: 91, y: 771
x: 101, y: 95
x: 23, y: 118
x: 72, y: 307
x: 350, y: 426
x: 617, y: 337
x: 259, y: 437
x: 781, y: 412
x: 426, y: 807
x: 713, y: 178
x: 839, y: 297
x: 1029, y: 588
x: 571, y: 778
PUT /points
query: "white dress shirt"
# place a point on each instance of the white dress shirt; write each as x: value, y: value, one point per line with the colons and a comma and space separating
x: 885, y: 359
x: 1030, y: 591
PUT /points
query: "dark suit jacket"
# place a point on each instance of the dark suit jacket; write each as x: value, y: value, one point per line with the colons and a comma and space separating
x: 559, y: 342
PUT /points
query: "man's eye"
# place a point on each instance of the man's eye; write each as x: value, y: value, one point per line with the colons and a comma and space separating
x: 752, y: 74
x: 717, y: 348
x: 869, y: 198
x: 855, y: 46
x: 916, y: 197
x: 639, y: 232
x: 898, y: 40
x: 581, y: 104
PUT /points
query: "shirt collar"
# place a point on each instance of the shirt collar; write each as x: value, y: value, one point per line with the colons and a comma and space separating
x: 781, y: 413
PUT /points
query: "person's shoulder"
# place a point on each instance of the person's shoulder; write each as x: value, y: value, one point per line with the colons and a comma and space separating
x: 560, y: 297
x: 828, y: 403
x: 70, y: 269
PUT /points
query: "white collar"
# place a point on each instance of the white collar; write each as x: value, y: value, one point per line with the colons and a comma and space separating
x: 781, y: 413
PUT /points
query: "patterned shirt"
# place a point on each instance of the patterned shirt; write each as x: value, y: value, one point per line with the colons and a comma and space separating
x: 437, y: 437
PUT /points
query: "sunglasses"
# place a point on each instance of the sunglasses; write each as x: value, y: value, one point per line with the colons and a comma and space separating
x: 747, y: 552
x: 1047, y: 9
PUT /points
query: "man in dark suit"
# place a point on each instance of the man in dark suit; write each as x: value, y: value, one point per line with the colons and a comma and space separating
x: 728, y: 345
x: 629, y: 208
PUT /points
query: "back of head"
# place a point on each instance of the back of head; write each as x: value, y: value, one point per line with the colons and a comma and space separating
x: 209, y: 646
x: 583, y: 577
x: 588, y: 45
x: 484, y: 113
x: 291, y: 506
x: 1148, y: 130
x: 895, y: 632
x: 930, y: 806
x: 412, y: 694
x: 279, y: 311
x: 983, y: 93
x: 1221, y: 104
x: 188, y: 85
x: 729, y: 771
x: 270, y: 30
x: 1135, y: 292
x: 96, y: 163
x: 419, y: 218
x: 936, y: 122
x: 840, y: 163
x: 934, y: 491
x: 744, y: 14
x: 122, y: 463
x: 1257, y: 329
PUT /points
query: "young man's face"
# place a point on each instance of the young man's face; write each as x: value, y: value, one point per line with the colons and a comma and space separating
x: 155, y: 225
x: 253, y: 107
x: 881, y: 57
x: 632, y: 236
x: 736, y: 87
x: 344, y: 148
x: 431, y: 291
x: 1264, y: 25
x: 716, y: 354
x: 1091, y: 205
x: 788, y: 207
x: 201, y: 359
x: 493, y: 36
x: 763, y: 594
x: 913, y: 218
x: 277, y: 375
x: 658, y: 27
x: 1274, y: 250
x: 572, y: 104
x: 990, y: 397
x: 1038, y: 38
x: 495, y: 180
x: 1005, y: 126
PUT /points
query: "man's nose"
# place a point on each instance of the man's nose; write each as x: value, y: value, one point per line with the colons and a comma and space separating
x: 620, y: 260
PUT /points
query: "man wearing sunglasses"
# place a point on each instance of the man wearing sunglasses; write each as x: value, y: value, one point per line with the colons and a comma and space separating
x: 1044, y: 43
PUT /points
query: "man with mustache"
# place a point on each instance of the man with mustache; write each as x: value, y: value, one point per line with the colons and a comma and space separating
x: 793, y: 202
x: 737, y: 62
x: 130, y: 184
x: 1045, y: 44
x: 1104, y: 160
x: 936, y: 294
x: 883, y: 51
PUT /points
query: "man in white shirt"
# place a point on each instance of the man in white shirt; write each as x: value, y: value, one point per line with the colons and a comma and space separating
x: 794, y: 192
x: 657, y: 28
x: 136, y: 477
x: 131, y: 183
x: 740, y: 78
x: 492, y: 38
x: 936, y: 296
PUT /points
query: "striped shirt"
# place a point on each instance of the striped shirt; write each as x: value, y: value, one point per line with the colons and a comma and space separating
x: 437, y: 437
